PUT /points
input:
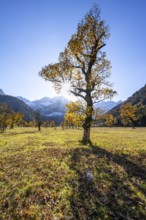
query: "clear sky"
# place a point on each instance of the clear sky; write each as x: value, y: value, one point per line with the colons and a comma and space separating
x: 34, y: 32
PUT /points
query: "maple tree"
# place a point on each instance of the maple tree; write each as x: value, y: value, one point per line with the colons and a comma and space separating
x: 75, y: 113
x: 63, y: 124
x: 109, y: 120
x: 84, y: 65
x: 46, y: 124
x: 128, y: 114
x: 37, y: 120
x: 14, y: 118
x: 52, y: 124
x: 4, y: 114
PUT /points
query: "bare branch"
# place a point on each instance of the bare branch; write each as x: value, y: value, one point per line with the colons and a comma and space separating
x: 77, y: 94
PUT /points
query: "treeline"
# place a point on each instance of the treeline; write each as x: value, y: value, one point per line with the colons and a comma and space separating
x: 17, y: 105
x: 138, y: 101
x: 130, y: 115
x: 126, y: 115
x: 11, y: 119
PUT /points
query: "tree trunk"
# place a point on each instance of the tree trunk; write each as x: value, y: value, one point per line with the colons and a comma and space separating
x: 12, y: 126
x: 88, y: 120
x: 87, y: 127
x: 39, y: 126
x: 86, y: 135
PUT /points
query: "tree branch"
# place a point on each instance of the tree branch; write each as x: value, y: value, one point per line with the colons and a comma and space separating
x: 101, y: 46
x: 77, y: 94
x: 84, y: 90
x: 81, y: 62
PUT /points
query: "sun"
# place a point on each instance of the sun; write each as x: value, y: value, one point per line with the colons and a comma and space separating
x: 65, y: 91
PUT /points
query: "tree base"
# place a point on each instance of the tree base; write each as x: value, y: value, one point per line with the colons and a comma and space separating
x: 86, y: 142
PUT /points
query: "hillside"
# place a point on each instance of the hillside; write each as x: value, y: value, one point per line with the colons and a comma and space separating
x: 138, y: 99
x: 17, y: 106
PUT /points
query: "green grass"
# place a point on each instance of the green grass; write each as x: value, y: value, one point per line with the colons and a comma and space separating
x: 42, y: 174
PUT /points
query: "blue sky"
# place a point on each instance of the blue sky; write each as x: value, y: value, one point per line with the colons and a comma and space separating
x: 34, y: 32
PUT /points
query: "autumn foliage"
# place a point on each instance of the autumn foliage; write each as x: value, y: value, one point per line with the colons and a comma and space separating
x: 84, y: 65
x: 128, y: 114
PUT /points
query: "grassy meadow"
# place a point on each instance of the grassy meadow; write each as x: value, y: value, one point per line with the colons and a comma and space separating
x: 43, y: 174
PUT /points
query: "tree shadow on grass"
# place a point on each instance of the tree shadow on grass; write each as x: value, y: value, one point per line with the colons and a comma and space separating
x: 134, y: 169
x: 116, y: 191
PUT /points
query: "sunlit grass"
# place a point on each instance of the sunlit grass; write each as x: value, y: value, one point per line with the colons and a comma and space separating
x: 42, y: 174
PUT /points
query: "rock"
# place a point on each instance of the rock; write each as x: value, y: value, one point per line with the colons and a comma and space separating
x: 89, y: 176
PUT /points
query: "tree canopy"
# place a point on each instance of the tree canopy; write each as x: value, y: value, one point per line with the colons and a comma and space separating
x: 84, y: 65
x: 128, y: 114
x: 75, y: 113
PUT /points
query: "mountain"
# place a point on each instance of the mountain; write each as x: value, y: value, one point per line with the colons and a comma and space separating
x: 1, y: 92
x: 138, y: 99
x: 107, y: 105
x: 49, y: 107
x: 42, y: 102
x: 55, y: 108
x: 26, y: 101
x: 17, y: 105
x: 57, y: 105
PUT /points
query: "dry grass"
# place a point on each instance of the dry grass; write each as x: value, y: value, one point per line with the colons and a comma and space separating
x: 42, y: 174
